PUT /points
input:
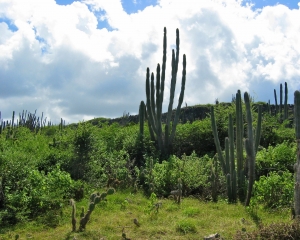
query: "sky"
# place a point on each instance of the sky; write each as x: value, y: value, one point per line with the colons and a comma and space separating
x: 78, y: 60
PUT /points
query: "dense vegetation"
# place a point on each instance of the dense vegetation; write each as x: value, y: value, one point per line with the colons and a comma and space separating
x: 138, y: 166
x: 41, y: 170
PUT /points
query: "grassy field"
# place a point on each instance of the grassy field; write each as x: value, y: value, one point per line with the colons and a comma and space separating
x: 192, y: 219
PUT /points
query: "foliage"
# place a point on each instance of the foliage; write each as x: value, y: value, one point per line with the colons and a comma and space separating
x: 280, y: 157
x: 186, y: 226
x: 35, y: 194
x: 192, y: 170
x: 274, y: 191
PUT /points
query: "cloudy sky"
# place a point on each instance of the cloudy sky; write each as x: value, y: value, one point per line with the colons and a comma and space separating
x: 84, y: 59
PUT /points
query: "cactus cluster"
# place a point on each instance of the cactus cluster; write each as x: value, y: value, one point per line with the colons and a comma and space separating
x: 95, y: 198
x: 26, y: 119
x: 236, y: 169
x: 282, y: 106
x: 155, y: 97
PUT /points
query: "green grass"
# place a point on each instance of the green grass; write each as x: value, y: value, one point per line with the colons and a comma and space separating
x: 193, y: 219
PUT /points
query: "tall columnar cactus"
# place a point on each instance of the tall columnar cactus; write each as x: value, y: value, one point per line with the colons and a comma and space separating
x: 155, y: 96
x: 280, y: 104
x: 239, y: 148
x: 251, y: 144
x: 297, y: 164
x: 285, y: 115
x: 142, y: 117
x: 235, y: 176
x: 276, y: 104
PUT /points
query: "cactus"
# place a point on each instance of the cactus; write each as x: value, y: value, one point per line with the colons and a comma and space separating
x: 280, y: 103
x: 142, y: 117
x: 251, y: 144
x: 285, y: 112
x: 95, y: 198
x: 239, y: 148
x: 276, y: 104
x: 235, y: 176
x: 72, y: 202
x: 154, y: 103
x: 227, y: 161
x: 297, y: 164
x: 214, y: 178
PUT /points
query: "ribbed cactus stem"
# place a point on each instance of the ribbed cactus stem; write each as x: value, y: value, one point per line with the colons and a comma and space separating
x: 297, y: 164
x: 217, y: 141
x: 239, y: 147
x: 276, y: 104
x: 258, y: 129
x: 232, y: 159
x: 285, y: 116
x: 280, y: 105
x: 228, y: 171
x: 250, y: 148
x: 142, y: 117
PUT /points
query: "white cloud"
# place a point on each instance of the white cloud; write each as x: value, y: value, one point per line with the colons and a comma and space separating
x: 60, y: 63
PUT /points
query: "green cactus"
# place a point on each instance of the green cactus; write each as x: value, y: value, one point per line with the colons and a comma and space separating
x: 280, y: 103
x: 95, y: 198
x: 154, y: 103
x: 285, y: 112
x: 214, y: 178
x: 297, y: 164
x: 239, y: 148
x: 235, y: 175
x: 276, y: 104
x: 251, y: 144
x: 142, y: 117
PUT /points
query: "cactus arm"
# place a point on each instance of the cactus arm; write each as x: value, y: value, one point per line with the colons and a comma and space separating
x: 280, y: 106
x: 285, y: 101
x: 297, y: 113
x: 152, y: 100
x: 175, y: 61
x: 239, y: 148
x: 180, y: 100
x: 258, y: 129
x: 217, y: 141
x: 249, y: 145
x: 276, y: 104
x: 148, y: 102
x: 231, y: 159
x: 142, y: 117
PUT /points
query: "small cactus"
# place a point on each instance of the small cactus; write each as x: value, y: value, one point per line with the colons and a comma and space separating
x: 95, y: 198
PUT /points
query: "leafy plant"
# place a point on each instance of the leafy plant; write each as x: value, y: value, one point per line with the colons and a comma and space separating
x: 274, y: 191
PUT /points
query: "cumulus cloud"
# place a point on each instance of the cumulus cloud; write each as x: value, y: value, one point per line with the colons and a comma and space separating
x: 59, y: 60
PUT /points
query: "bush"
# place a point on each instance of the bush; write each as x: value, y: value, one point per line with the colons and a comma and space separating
x: 274, y: 191
x: 192, y: 170
x: 35, y: 194
x: 280, y: 157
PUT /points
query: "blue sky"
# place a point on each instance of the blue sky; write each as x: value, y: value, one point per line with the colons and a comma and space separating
x: 78, y: 60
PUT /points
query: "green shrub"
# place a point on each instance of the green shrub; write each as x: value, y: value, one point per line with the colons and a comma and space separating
x: 274, y: 191
x: 34, y: 194
x: 192, y: 170
x: 280, y: 157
